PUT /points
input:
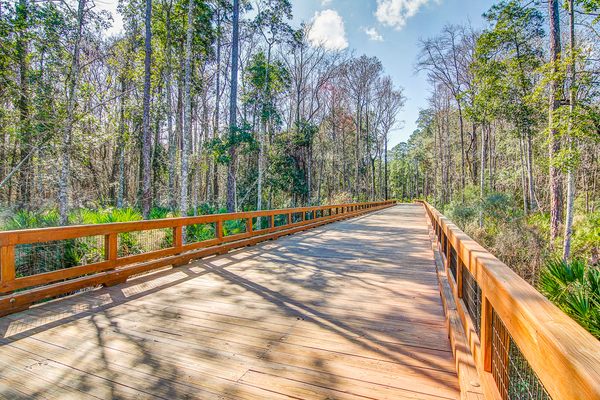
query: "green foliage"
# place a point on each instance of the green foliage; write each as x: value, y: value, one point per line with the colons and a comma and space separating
x: 104, y: 216
x: 199, y: 232
x: 266, y: 80
x: 506, y: 58
x: 220, y: 147
x: 24, y: 219
x: 289, y: 154
x: 575, y: 289
x: 461, y: 213
x: 160, y: 213
x: 234, y: 226
x: 497, y: 222
x: 207, y: 209
x: 51, y: 256
x: 590, y: 6
x: 586, y: 238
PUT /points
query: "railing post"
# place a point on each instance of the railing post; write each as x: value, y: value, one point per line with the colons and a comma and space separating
x: 249, y: 225
x: 219, y: 230
x: 289, y: 219
x: 178, y: 236
x: 7, y: 265
x: 111, y: 247
x: 459, y: 276
x: 486, y: 333
x: 272, y: 217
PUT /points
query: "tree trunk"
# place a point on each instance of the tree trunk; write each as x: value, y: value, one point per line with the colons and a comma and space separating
x: 530, y: 181
x: 172, y: 148
x: 146, y: 193
x: 231, y: 170
x: 482, y: 172
x: 65, y: 170
x: 357, y: 144
x: 25, y: 172
x: 121, y: 147
x: 570, y: 172
x: 385, y: 164
x: 523, y: 179
x: 187, y: 119
x: 261, y: 137
x: 556, y: 200
x: 462, y: 150
x: 215, y: 172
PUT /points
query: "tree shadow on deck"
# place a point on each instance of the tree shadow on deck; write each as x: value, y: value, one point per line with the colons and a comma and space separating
x: 233, y: 326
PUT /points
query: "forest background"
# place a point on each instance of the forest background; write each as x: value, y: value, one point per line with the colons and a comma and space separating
x: 205, y: 106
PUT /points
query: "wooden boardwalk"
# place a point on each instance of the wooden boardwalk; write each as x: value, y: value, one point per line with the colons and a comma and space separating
x: 350, y: 310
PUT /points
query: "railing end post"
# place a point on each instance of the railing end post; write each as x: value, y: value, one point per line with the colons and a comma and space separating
x: 7, y: 265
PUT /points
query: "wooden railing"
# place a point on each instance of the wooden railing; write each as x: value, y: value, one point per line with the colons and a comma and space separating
x: 524, y: 347
x: 36, y: 264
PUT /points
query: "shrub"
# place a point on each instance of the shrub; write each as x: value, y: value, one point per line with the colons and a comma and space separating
x: 160, y: 213
x: 199, y: 232
x: 586, y: 238
x: 575, y: 289
x: 24, y: 219
x: 461, y: 214
x: 234, y: 226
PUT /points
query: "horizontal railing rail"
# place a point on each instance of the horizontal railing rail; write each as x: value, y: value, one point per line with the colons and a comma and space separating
x: 524, y: 347
x: 36, y: 264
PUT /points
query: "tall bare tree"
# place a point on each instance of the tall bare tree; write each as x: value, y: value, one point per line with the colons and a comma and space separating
x: 187, y: 119
x: 570, y: 170
x: 235, y: 48
x: 555, y: 97
x: 146, y: 192
x: 72, y: 81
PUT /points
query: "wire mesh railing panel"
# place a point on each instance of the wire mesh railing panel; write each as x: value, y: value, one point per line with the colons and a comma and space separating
x: 259, y: 223
x: 514, y: 377
x: 235, y: 226
x: 138, y: 242
x: 281, y: 219
x: 199, y: 232
x: 296, y: 217
x: 309, y: 215
x: 37, y: 258
x: 471, y: 294
x: 453, y: 263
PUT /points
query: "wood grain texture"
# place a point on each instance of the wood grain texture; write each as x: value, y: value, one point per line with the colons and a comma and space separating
x: 106, y: 272
x: 565, y: 357
x: 349, y: 310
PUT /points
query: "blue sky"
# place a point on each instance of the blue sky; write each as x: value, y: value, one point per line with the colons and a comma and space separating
x: 388, y: 29
x: 397, y: 47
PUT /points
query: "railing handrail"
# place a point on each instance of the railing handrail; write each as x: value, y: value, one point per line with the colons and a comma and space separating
x: 36, y: 235
x: 565, y: 357
x: 115, y: 268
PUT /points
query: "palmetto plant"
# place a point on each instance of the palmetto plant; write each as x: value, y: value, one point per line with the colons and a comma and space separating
x: 575, y: 289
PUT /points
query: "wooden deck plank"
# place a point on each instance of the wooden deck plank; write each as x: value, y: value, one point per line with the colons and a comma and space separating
x: 346, y: 311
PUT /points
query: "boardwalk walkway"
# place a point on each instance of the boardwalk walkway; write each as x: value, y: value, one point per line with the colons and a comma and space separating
x: 350, y: 310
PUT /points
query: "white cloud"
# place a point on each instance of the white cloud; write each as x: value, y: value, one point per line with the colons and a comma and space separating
x: 325, y: 3
x: 328, y: 31
x: 373, y: 34
x: 395, y: 13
